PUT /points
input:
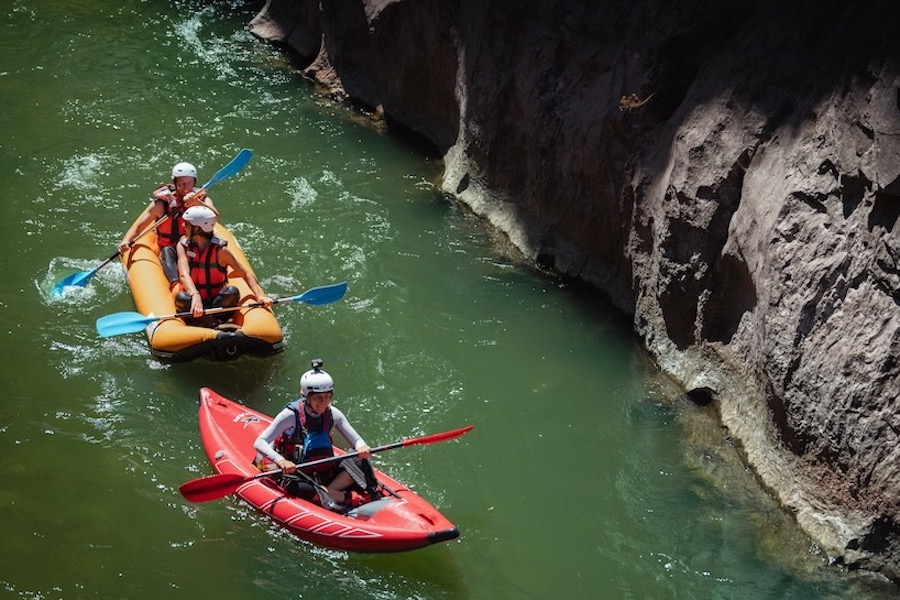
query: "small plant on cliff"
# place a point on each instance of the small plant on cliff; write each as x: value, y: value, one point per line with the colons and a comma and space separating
x: 631, y: 102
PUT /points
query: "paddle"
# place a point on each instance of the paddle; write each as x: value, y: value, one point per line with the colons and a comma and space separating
x: 214, y: 487
x: 131, y: 322
x: 81, y: 278
x: 325, y: 498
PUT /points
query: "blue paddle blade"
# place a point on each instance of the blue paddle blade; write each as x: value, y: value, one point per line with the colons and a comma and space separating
x: 79, y: 279
x: 123, y: 322
x: 73, y: 280
x: 325, y: 294
x: 237, y: 163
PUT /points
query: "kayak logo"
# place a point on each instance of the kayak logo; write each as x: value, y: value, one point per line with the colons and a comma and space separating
x: 247, y: 418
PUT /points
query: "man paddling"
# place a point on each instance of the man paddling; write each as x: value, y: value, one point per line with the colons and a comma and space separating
x: 172, y: 199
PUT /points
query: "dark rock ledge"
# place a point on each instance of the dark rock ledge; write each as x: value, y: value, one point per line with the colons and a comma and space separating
x: 727, y: 172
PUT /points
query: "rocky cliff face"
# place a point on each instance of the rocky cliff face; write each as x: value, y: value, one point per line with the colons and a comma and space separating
x: 726, y: 171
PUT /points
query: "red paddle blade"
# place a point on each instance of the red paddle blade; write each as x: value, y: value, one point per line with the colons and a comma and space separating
x: 438, y: 437
x: 212, y: 487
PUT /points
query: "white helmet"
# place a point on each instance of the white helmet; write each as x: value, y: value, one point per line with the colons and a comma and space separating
x: 184, y: 169
x: 316, y: 380
x: 201, y: 216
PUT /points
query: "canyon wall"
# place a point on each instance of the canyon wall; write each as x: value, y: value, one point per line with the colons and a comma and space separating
x: 727, y: 173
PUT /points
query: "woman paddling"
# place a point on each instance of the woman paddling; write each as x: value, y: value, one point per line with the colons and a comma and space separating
x: 203, y: 262
x: 302, y: 432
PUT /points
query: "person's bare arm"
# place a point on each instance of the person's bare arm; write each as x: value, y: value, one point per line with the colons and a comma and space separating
x: 153, y: 212
x: 227, y: 259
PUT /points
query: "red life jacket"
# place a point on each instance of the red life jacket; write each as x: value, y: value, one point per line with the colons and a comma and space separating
x: 207, y: 274
x: 170, y: 231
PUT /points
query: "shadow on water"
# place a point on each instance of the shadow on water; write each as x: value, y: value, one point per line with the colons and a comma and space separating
x: 729, y: 526
x: 730, y: 492
x: 435, y: 565
x: 249, y: 380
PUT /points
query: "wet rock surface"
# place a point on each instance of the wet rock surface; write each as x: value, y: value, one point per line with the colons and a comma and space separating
x: 728, y: 173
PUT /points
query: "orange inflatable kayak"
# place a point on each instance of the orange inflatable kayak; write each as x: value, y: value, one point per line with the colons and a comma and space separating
x: 253, y: 330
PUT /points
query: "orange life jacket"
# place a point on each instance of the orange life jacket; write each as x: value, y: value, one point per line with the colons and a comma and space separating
x: 207, y: 274
x: 170, y: 231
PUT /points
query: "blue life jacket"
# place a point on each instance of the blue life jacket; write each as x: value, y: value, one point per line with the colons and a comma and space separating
x: 310, y: 438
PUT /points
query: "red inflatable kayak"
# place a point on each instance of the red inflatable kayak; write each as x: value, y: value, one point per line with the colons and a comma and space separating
x: 398, y: 520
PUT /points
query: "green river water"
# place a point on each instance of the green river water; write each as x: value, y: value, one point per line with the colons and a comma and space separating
x: 587, y: 474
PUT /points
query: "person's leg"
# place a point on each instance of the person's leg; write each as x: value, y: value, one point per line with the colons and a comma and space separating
x: 226, y: 298
x: 183, y: 305
x: 338, y: 488
x: 294, y: 486
x: 362, y: 474
x: 169, y: 260
x: 182, y: 302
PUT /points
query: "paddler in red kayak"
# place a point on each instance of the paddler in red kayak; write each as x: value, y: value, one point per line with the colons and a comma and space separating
x: 203, y: 262
x: 173, y: 198
x: 302, y: 432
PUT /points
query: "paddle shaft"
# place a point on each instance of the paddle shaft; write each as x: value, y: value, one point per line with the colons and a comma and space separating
x: 224, y: 484
x: 221, y: 309
x: 421, y: 441
x: 321, y: 461
x: 81, y: 278
x: 132, y: 322
x: 153, y: 226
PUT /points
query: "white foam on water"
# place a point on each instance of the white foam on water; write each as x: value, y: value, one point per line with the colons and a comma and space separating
x: 301, y: 193
x: 83, y: 172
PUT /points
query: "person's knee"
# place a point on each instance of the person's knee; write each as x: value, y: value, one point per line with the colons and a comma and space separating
x: 228, y: 297
x: 299, y: 489
x: 182, y: 302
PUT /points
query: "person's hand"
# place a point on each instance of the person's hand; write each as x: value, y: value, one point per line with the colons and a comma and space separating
x: 124, y: 246
x: 365, y: 452
x: 191, y: 199
x: 196, y: 306
x: 286, y: 466
x: 266, y: 300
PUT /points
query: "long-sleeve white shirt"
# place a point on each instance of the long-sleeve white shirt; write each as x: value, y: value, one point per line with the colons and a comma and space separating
x: 285, y: 420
